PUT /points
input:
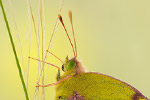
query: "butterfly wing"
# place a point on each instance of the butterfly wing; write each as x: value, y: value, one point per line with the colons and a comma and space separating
x: 96, y: 86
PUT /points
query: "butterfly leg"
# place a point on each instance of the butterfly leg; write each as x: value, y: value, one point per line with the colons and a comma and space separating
x: 54, y: 83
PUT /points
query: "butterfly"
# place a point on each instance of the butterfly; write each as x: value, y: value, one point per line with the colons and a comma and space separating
x: 77, y: 84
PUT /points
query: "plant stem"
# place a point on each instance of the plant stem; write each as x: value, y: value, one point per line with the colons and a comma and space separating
x: 14, y: 50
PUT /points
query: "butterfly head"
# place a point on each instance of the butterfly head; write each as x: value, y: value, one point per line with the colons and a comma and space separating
x: 69, y: 64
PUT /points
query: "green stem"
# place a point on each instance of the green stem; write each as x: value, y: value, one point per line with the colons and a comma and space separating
x: 13, y: 47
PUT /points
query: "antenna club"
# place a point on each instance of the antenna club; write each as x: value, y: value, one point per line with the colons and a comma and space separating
x: 70, y: 12
x: 60, y: 17
x: 70, y: 16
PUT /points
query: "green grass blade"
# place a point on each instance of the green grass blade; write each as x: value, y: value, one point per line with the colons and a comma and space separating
x: 13, y: 47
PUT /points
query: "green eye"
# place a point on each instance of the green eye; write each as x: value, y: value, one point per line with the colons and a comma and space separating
x: 71, y: 64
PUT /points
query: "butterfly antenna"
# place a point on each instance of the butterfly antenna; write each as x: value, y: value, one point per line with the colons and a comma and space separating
x: 54, y: 55
x: 45, y: 62
x: 70, y: 17
x: 61, y: 20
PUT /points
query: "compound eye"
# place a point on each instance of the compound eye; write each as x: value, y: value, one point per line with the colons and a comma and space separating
x: 63, y: 67
x: 70, y: 65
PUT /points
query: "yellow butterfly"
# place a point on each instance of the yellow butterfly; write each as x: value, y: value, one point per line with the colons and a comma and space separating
x: 77, y: 84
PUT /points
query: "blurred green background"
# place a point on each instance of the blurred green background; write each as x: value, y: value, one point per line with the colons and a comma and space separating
x: 113, y: 37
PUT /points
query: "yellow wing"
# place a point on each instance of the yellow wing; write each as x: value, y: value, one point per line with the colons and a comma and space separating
x: 95, y: 86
